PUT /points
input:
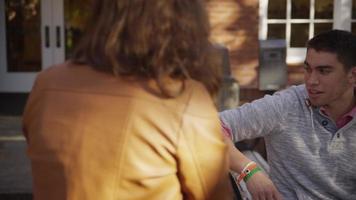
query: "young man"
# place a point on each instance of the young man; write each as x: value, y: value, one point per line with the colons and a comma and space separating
x: 310, y: 129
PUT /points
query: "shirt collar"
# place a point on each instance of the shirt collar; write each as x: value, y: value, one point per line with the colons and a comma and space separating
x: 351, y: 113
x: 343, y: 120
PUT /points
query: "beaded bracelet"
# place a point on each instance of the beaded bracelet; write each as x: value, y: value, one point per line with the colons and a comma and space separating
x: 248, y: 171
x: 249, y: 175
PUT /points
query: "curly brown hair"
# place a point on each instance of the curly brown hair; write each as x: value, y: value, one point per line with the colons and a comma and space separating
x: 152, y: 39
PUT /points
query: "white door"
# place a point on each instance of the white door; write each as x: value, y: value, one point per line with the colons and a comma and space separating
x: 31, y: 39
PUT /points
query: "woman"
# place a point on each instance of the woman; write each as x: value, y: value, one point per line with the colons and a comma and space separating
x: 130, y: 116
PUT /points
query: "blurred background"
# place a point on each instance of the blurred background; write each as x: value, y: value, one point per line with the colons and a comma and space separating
x: 261, y: 44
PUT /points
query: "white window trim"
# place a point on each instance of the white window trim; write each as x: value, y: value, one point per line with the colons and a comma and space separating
x: 341, y: 20
x: 342, y: 14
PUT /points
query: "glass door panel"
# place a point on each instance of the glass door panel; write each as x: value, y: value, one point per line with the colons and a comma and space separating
x: 23, y: 35
x: 353, y: 24
x: 276, y: 31
x: 299, y: 35
x: 324, y: 9
x: 300, y: 9
x: 75, y: 15
x: 277, y: 9
x: 353, y: 9
x: 322, y: 27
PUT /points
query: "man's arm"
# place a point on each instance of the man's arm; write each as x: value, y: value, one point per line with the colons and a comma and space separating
x: 259, y: 185
x: 257, y: 119
x: 261, y: 117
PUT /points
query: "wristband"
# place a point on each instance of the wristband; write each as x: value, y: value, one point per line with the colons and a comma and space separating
x: 249, y: 175
x: 246, y: 170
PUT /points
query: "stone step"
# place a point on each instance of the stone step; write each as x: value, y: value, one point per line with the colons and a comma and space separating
x: 15, y: 170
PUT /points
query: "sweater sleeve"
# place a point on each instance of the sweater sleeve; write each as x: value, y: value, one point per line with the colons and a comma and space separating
x: 261, y: 117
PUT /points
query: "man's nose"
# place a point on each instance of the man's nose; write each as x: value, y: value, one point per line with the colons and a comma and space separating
x: 312, y: 78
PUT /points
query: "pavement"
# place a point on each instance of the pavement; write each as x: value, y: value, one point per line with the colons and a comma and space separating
x: 15, y: 170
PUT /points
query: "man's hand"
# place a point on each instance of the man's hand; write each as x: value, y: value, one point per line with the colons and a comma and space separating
x: 262, y: 188
x: 259, y: 185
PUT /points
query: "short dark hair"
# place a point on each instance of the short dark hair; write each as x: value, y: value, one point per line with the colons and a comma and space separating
x: 340, y: 42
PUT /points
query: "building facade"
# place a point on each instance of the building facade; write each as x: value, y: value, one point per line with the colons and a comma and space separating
x: 242, y: 24
x: 35, y: 34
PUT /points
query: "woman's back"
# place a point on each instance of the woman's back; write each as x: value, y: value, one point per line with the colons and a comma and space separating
x: 92, y: 135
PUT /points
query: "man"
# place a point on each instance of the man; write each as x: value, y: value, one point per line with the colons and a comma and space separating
x: 310, y: 130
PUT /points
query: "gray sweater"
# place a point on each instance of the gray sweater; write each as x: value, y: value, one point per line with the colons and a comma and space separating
x: 308, y: 160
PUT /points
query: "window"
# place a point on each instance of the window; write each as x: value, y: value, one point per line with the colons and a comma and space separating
x: 296, y: 21
x: 23, y: 25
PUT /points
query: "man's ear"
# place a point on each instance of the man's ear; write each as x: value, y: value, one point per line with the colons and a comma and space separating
x: 353, y: 75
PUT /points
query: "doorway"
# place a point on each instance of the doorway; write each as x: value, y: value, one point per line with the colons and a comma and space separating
x: 35, y: 34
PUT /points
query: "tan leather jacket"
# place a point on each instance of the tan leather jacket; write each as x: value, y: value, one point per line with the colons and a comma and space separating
x: 95, y: 136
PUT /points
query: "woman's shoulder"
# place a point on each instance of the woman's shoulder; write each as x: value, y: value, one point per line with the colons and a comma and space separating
x: 200, y: 102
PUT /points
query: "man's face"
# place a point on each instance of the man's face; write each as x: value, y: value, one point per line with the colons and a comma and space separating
x: 327, y: 82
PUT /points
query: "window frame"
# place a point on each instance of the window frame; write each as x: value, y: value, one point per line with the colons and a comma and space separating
x: 342, y: 19
x: 353, y: 20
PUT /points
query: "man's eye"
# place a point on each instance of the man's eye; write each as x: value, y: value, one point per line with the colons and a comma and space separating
x: 307, y: 69
x: 324, y: 71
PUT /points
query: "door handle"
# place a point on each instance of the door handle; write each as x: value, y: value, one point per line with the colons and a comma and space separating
x: 58, y: 37
x: 47, y: 39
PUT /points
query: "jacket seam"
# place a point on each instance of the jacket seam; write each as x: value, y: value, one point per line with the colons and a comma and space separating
x: 179, y: 137
x: 119, y: 160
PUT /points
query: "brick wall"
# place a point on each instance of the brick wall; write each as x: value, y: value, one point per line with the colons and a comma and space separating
x: 234, y: 24
x: 295, y: 74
